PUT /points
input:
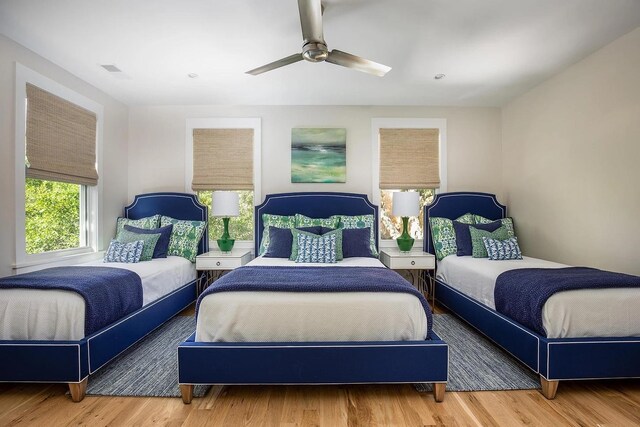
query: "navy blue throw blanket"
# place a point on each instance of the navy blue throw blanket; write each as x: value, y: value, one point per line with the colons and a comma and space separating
x: 315, y: 279
x: 520, y: 294
x: 109, y: 293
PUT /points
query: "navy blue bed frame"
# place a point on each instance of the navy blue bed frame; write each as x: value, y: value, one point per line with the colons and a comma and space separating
x: 554, y: 359
x: 73, y: 361
x: 313, y: 362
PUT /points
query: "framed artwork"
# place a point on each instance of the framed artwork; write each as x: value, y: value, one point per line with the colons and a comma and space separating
x: 318, y: 155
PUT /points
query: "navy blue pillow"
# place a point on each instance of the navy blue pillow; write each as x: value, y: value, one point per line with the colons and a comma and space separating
x: 280, y: 240
x: 463, y: 236
x: 355, y: 242
x: 162, y: 247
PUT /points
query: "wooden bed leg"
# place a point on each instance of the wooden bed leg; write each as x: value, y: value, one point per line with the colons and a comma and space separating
x: 549, y: 388
x: 438, y: 391
x: 187, y: 392
x: 78, y: 390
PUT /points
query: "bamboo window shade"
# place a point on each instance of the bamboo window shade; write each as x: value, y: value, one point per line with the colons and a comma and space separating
x: 60, y: 139
x: 222, y: 159
x: 409, y: 158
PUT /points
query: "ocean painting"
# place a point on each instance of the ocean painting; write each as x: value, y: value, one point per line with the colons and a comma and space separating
x: 318, y: 155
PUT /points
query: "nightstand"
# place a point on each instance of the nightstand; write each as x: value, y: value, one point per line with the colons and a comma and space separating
x: 215, y: 262
x: 421, y: 265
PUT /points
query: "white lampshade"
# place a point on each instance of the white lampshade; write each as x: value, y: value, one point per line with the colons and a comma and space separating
x: 225, y: 204
x: 406, y: 203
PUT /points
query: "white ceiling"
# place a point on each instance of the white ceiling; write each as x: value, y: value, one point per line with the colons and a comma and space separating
x: 490, y: 51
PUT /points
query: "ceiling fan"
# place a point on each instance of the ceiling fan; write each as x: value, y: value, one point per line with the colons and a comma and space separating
x: 314, y: 48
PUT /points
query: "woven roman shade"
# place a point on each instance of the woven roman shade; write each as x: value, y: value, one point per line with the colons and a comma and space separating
x: 222, y: 159
x: 60, y: 139
x: 409, y: 158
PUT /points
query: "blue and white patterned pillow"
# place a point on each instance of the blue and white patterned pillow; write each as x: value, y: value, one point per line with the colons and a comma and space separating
x: 499, y: 250
x: 124, y: 252
x: 312, y: 248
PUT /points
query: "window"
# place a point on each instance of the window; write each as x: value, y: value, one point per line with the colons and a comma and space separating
x: 409, y: 155
x: 58, y: 135
x: 224, y: 154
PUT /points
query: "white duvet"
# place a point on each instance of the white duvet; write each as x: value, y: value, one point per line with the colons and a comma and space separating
x: 311, y: 316
x: 32, y: 314
x: 569, y: 314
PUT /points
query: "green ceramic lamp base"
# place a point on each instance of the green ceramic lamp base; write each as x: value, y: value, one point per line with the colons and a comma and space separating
x: 405, y: 241
x: 225, y: 243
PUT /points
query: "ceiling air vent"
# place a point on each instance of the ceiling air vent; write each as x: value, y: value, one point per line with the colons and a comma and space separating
x: 111, y: 68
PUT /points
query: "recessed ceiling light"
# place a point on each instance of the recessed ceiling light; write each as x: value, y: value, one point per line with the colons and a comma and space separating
x: 111, y: 68
x: 192, y: 75
x: 439, y: 76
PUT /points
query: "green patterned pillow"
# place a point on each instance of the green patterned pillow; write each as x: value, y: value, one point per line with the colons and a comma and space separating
x: 147, y: 223
x: 477, y: 244
x: 294, y: 243
x: 278, y: 221
x: 359, y: 221
x: 305, y: 221
x: 444, y: 236
x: 150, y: 241
x: 467, y: 218
x: 506, y: 222
x: 185, y: 237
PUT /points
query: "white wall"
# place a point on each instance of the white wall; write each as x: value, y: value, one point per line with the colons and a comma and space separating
x: 115, y: 140
x: 571, y: 161
x: 157, y: 138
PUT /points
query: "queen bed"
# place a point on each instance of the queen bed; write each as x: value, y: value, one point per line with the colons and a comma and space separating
x: 583, y: 333
x: 260, y: 335
x: 44, y: 335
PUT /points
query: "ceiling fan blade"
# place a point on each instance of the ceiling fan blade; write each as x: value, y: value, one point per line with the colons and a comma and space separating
x: 351, y: 61
x: 276, y: 64
x: 311, y: 20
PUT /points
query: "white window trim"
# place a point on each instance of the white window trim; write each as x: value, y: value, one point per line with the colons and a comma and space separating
x: 405, y: 123
x: 254, y: 123
x: 26, y: 75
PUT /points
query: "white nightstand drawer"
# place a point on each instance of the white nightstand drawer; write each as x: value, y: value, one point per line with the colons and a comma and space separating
x: 216, y: 260
x: 414, y: 260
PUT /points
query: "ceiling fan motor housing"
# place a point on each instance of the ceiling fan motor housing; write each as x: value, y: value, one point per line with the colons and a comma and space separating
x: 315, y: 52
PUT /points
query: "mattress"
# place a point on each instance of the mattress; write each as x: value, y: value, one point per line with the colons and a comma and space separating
x: 570, y: 314
x: 311, y: 316
x: 33, y: 314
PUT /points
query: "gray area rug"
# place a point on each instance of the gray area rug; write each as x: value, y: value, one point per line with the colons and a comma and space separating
x: 475, y: 363
x: 148, y: 368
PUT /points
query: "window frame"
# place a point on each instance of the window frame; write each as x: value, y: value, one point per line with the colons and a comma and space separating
x: 254, y: 123
x: 400, y: 123
x: 90, y: 197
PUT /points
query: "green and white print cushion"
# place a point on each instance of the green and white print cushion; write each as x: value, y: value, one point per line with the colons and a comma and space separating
x: 443, y: 235
x: 506, y: 222
x: 185, y: 237
x: 279, y: 221
x: 316, y: 249
x: 294, y: 245
x: 477, y: 244
x: 305, y: 221
x: 150, y: 241
x: 147, y: 223
x: 499, y: 250
x: 359, y: 221
x: 124, y: 252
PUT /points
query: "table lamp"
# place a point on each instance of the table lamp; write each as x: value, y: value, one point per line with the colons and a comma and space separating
x: 225, y: 204
x: 405, y: 204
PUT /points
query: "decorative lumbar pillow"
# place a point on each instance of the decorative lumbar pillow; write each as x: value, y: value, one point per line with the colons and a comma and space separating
x: 316, y: 249
x: 360, y: 221
x: 443, y: 234
x: 507, y: 222
x: 305, y: 221
x: 146, y: 223
x: 280, y: 242
x: 150, y: 241
x: 478, y: 248
x: 356, y: 243
x: 279, y: 221
x: 463, y: 236
x: 316, y: 231
x: 502, y: 249
x: 162, y: 246
x: 185, y: 236
x: 124, y: 252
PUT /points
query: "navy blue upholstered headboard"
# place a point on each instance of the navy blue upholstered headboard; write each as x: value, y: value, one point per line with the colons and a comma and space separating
x: 175, y: 205
x: 314, y: 205
x: 453, y: 205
